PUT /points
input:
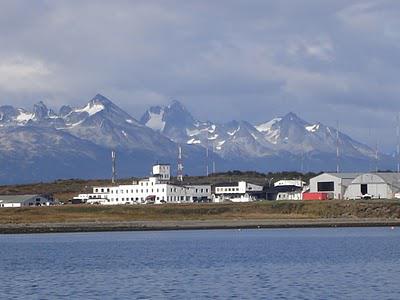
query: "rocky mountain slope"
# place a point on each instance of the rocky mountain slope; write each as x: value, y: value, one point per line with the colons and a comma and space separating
x: 75, y: 142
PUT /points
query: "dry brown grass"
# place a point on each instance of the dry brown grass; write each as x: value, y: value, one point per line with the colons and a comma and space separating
x: 176, y: 212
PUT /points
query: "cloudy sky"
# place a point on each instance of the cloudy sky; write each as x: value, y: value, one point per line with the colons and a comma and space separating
x: 326, y: 60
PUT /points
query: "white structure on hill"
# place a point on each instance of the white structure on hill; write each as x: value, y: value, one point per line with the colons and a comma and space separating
x: 156, y: 189
x: 334, y: 184
x: 241, y: 191
x: 374, y: 185
x: 25, y: 200
x: 290, y: 182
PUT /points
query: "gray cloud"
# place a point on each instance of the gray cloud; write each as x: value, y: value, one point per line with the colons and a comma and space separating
x: 326, y: 60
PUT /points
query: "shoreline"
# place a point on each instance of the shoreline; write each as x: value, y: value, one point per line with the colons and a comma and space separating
x: 31, y: 228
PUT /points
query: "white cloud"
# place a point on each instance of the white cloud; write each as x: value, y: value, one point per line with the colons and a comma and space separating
x: 21, y: 73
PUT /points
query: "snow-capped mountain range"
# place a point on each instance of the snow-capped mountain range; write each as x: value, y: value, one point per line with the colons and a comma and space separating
x: 287, y: 134
x: 42, y: 144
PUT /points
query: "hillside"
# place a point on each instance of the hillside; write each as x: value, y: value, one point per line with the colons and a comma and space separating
x: 66, y: 189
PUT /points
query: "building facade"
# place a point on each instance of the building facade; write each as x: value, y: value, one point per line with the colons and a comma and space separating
x: 25, y: 200
x: 155, y: 189
x: 334, y: 184
x: 374, y: 185
x: 241, y: 191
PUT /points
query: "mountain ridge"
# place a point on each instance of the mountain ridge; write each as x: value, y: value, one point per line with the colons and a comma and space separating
x: 41, y: 144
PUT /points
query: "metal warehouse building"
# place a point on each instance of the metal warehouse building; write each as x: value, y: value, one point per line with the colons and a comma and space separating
x: 334, y: 184
x: 376, y: 185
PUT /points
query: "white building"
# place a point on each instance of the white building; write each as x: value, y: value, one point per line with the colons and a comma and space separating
x: 290, y: 182
x: 374, y: 185
x: 241, y: 191
x: 25, y: 200
x: 155, y: 189
x: 162, y: 171
x: 334, y: 184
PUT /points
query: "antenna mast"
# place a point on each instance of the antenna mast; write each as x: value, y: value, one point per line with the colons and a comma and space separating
x: 207, y: 171
x: 398, y: 142
x: 376, y: 156
x: 337, y: 147
x: 180, y: 164
x: 114, y: 171
x: 213, y: 157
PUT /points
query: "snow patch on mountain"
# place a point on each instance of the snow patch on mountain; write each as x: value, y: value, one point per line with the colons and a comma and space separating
x: 155, y: 120
x: 24, y: 116
x: 267, y: 126
x: 91, y: 108
x: 312, y: 128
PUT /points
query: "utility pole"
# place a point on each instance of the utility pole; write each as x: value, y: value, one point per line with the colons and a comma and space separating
x: 114, y: 171
x: 337, y: 147
x: 180, y: 165
x: 398, y: 142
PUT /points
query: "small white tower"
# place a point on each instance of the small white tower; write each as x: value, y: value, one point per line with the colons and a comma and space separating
x: 162, y: 171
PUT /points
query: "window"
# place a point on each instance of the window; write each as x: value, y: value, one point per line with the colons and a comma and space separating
x: 364, y: 189
x: 326, y: 186
x: 108, y: 190
x: 96, y: 190
x: 102, y: 190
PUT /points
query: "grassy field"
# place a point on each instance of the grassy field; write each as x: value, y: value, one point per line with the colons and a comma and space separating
x: 177, y: 212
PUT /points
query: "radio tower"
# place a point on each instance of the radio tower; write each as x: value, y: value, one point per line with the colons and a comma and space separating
x: 213, y: 165
x: 398, y: 142
x: 207, y: 171
x: 337, y: 147
x: 180, y: 164
x: 113, y: 158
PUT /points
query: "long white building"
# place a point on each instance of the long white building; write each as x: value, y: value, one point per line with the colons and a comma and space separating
x: 156, y: 189
x: 241, y: 191
x: 25, y: 200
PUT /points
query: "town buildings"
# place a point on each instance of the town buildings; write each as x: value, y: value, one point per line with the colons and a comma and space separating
x: 155, y: 189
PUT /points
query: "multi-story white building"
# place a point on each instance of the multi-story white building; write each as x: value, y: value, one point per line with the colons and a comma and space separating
x: 156, y: 189
x: 241, y: 191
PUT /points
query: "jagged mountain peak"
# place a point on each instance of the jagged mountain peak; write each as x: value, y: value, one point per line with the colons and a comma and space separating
x: 99, y: 98
x: 293, y: 117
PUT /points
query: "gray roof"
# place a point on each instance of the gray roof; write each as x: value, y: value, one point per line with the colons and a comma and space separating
x: 16, y: 198
x: 392, y: 179
x: 345, y: 175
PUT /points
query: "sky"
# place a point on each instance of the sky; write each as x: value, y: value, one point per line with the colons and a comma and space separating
x: 328, y: 61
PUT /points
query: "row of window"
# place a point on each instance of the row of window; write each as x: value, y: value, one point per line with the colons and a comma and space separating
x: 97, y: 190
x: 169, y: 198
x: 224, y: 189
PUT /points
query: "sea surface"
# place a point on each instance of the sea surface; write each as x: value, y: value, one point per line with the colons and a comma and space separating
x: 337, y: 263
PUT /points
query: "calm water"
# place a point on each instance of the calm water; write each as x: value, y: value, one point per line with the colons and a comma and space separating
x: 345, y: 263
